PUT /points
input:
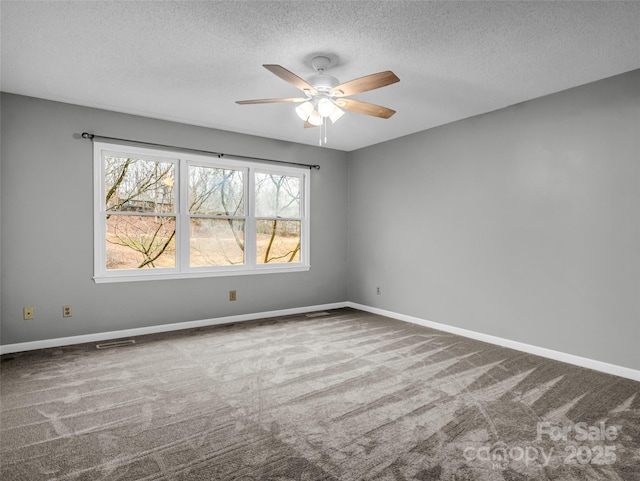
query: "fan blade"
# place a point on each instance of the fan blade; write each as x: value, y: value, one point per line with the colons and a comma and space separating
x: 365, y: 108
x: 269, y: 101
x: 364, y: 84
x: 290, y: 77
x: 309, y: 125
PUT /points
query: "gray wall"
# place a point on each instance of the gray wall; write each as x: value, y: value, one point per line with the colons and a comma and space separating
x: 47, y: 228
x: 523, y: 223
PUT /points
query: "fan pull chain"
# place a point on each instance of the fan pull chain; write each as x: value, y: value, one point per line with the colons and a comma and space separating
x: 323, y: 125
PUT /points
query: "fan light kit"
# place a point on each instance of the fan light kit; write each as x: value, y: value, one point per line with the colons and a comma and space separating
x: 325, y: 97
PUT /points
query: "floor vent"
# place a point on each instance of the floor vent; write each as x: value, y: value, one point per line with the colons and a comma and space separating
x: 106, y: 345
x: 317, y: 314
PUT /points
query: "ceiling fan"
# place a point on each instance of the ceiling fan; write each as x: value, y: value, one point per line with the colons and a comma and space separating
x: 325, y: 96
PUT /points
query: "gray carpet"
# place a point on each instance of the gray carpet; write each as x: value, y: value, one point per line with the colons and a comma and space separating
x: 343, y: 395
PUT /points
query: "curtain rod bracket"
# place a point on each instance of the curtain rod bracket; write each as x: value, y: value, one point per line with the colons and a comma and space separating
x: 87, y: 135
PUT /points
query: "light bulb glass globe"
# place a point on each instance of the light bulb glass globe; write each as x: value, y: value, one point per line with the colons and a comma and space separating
x: 337, y: 113
x: 325, y: 107
x: 315, y: 118
x: 304, y: 110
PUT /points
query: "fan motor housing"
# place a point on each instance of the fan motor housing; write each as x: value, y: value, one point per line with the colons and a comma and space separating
x: 323, y: 82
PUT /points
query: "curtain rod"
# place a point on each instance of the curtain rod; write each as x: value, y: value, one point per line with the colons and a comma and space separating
x: 86, y: 135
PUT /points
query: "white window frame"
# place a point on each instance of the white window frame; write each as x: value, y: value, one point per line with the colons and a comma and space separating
x: 182, y: 270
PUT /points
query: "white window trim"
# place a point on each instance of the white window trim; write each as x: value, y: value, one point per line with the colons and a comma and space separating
x: 182, y: 269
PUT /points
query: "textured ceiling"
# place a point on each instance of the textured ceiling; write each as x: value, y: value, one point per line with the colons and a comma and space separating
x: 190, y: 61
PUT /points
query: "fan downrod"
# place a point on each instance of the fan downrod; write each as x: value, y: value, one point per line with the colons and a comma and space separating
x: 321, y: 81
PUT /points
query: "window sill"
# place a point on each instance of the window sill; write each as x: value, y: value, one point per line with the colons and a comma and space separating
x: 158, y: 276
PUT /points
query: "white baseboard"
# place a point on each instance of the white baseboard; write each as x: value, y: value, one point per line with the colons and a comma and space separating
x: 519, y: 346
x: 538, y: 351
x: 141, y: 331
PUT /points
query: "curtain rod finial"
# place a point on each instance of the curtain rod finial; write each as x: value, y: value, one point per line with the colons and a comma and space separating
x: 86, y: 135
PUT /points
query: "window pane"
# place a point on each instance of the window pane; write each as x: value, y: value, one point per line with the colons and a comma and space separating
x: 278, y: 241
x: 277, y: 195
x: 214, y: 191
x: 135, y: 242
x: 139, y: 185
x: 216, y: 242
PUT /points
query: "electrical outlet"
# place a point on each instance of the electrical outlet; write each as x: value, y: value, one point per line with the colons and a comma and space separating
x: 378, y: 291
x: 232, y: 295
x: 66, y: 311
x: 27, y: 313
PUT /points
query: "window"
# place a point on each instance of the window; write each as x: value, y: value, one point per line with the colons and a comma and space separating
x: 162, y: 215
